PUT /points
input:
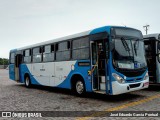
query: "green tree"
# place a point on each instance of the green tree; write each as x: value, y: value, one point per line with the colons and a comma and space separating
x: 4, y: 61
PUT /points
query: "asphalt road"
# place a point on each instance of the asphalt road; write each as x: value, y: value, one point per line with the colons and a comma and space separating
x: 16, y: 97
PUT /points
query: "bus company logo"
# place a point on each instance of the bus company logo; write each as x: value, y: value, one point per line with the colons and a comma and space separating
x: 6, y: 114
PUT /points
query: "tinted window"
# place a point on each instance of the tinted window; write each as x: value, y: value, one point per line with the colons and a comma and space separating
x: 27, y: 52
x: 63, y: 51
x: 27, y: 59
x: 47, y: 57
x: 81, y: 43
x: 36, y: 51
x: 122, y: 32
x: 48, y: 54
x: 80, y: 53
x: 63, y: 46
x: 47, y: 49
x: 27, y: 56
x: 37, y: 57
x: 63, y: 55
x: 80, y: 48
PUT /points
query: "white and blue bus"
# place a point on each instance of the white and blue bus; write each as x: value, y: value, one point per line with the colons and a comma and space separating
x: 152, y: 48
x: 108, y: 60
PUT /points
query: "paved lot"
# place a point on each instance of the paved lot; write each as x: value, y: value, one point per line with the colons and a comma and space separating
x: 16, y: 97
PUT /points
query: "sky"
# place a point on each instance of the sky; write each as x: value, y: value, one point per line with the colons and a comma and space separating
x: 26, y: 22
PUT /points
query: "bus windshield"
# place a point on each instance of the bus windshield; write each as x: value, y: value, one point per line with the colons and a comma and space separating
x: 129, y: 52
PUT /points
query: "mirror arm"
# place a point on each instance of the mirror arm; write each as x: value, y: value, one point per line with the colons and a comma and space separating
x: 157, y: 54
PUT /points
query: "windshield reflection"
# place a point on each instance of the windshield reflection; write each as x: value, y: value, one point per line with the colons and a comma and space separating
x: 129, y: 53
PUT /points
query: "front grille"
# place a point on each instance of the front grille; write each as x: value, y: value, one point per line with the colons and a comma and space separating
x: 134, y: 80
x: 131, y: 73
x: 134, y: 85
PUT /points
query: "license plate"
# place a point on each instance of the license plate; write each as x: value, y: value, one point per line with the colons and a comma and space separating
x: 146, y: 84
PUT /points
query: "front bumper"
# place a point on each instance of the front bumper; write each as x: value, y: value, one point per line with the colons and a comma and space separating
x: 118, y: 88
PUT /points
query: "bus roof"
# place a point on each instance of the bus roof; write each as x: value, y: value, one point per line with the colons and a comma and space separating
x: 56, y: 40
x: 156, y: 36
x: 89, y: 32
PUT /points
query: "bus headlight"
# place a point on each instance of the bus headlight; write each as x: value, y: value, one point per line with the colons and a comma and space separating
x: 146, y: 76
x: 118, y: 78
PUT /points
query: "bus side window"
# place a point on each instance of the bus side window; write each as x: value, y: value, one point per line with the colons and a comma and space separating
x: 12, y: 58
x: 63, y: 51
x: 37, y: 56
x: 48, y: 54
x: 80, y: 48
x: 27, y: 56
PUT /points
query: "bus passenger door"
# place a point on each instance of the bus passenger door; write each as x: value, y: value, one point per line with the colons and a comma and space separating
x: 98, y: 62
x: 18, y: 60
x: 150, y: 48
x: 94, y: 66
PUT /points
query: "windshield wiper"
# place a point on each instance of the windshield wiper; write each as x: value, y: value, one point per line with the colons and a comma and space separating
x: 136, y: 46
x: 125, y: 44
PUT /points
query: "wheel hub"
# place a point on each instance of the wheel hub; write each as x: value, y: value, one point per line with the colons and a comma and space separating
x: 79, y: 87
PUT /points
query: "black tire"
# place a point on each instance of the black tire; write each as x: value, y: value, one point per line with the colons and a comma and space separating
x: 79, y: 88
x: 27, y: 82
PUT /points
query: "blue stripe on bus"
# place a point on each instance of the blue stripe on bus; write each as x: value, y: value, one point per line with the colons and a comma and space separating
x: 23, y: 70
x: 81, y: 70
x: 101, y: 29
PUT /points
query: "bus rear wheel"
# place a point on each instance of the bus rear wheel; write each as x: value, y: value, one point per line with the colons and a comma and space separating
x: 79, y: 88
x: 27, y: 82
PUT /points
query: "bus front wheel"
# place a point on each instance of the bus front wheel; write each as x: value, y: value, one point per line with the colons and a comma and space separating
x: 79, y: 87
x: 27, y: 82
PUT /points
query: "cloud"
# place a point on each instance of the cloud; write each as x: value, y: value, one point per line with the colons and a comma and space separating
x: 25, y: 22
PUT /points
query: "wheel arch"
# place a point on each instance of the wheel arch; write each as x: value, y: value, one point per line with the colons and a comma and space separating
x: 76, y: 77
x: 27, y: 75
